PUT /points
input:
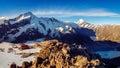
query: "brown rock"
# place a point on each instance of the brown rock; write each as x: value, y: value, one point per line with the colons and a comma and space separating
x: 26, y: 64
x: 2, y: 49
x: 24, y: 55
x: 56, y: 54
x: 10, y: 50
x: 13, y: 65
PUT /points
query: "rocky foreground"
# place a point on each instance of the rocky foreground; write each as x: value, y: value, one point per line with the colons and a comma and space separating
x: 55, y: 54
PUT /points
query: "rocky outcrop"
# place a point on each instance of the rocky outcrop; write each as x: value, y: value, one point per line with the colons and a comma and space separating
x: 26, y: 64
x: 13, y: 65
x: 56, y: 54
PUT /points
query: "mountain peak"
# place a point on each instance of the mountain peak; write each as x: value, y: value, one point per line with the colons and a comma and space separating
x: 83, y: 23
x: 25, y: 15
x: 28, y: 14
x: 80, y: 21
x: 3, y: 18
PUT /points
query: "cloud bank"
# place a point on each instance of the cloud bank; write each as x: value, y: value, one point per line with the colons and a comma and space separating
x: 95, y: 12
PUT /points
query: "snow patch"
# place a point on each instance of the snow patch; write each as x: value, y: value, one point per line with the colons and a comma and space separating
x: 9, y: 58
x: 22, y: 18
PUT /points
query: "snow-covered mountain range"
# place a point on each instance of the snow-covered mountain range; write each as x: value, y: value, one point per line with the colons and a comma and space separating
x: 27, y: 26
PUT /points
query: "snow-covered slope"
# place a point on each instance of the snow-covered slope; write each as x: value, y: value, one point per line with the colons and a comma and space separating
x: 15, y: 56
x: 28, y: 24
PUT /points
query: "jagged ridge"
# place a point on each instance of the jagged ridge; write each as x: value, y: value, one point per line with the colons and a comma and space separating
x: 29, y: 27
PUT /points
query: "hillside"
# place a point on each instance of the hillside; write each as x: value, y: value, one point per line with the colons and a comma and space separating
x: 103, y: 32
x: 108, y: 32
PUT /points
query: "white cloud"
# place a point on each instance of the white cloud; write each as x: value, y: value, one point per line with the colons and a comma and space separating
x: 93, y: 12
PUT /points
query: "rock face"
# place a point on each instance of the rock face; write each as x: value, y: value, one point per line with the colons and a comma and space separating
x: 56, y: 54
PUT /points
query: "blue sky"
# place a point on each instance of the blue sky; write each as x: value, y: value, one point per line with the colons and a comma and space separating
x: 92, y: 11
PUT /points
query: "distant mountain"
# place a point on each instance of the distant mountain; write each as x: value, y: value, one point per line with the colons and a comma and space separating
x: 103, y: 32
x: 29, y: 27
x: 85, y: 24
